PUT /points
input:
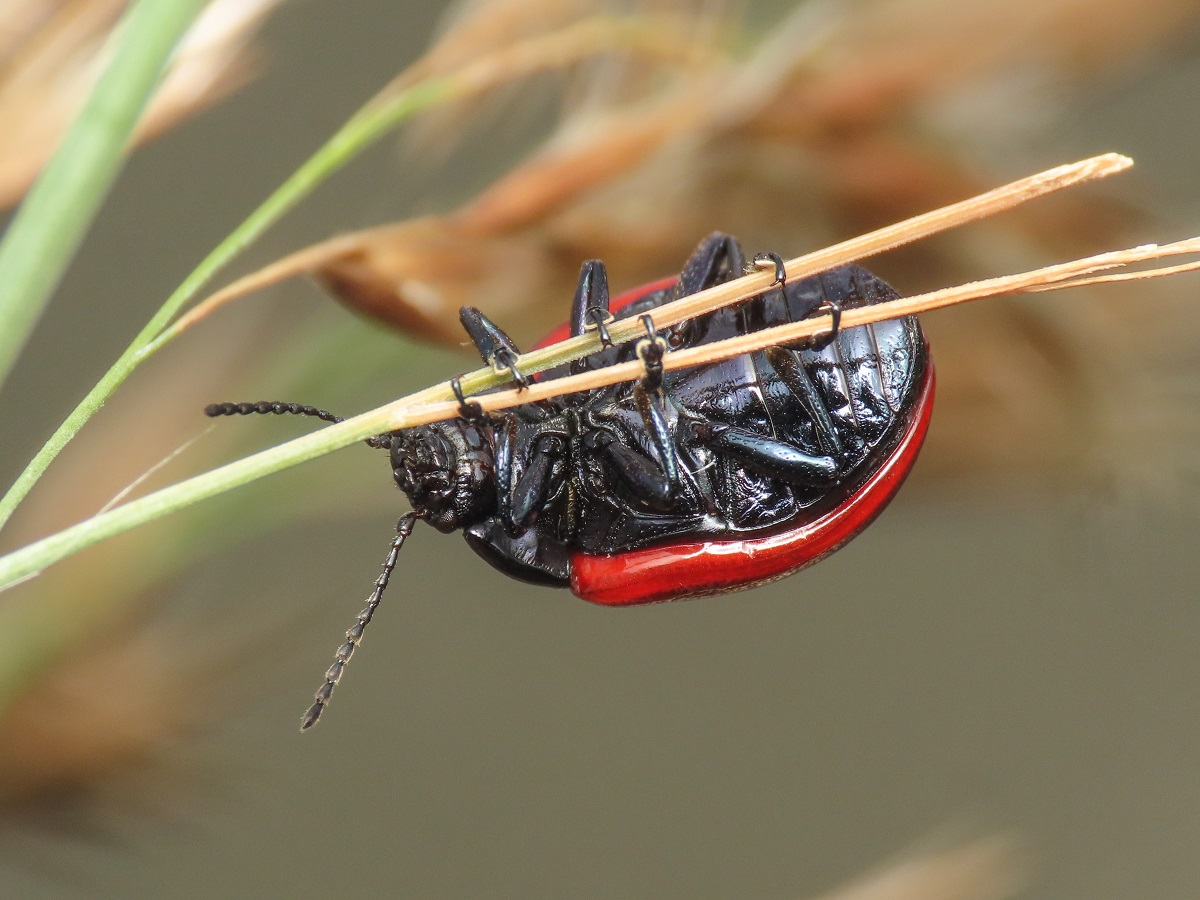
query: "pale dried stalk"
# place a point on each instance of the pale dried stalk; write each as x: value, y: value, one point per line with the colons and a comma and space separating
x: 973, y: 209
x: 978, y: 207
x: 1051, y: 278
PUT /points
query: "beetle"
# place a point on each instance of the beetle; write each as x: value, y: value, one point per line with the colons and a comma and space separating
x: 685, y: 483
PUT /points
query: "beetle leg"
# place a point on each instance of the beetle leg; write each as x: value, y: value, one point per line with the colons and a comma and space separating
x: 650, y: 350
x: 834, y: 308
x: 589, y: 309
x: 535, y: 485
x: 648, y: 405
x: 645, y: 480
x: 496, y: 347
x: 770, y: 457
x: 505, y: 443
x: 762, y: 260
x: 468, y: 410
x: 718, y: 259
x: 793, y: 374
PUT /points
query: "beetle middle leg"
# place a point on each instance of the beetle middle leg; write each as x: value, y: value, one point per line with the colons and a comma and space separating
x: 539, y: 482
x: 648, y: 396
x: 645, y: 480
x: 468, y: 410
x: 496, y: 347
x: 718, y: 259
x: 795, y: 377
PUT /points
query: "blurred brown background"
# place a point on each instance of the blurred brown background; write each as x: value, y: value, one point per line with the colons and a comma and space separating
x: 969, y: 665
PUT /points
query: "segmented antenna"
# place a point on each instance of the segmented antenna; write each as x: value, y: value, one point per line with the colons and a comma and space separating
x: 280, y: 408
x: 354, y: 636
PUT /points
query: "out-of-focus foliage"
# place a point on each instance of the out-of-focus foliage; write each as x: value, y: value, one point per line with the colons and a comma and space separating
x: 51, y: 52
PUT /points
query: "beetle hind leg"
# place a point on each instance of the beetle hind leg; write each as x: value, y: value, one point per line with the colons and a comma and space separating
x: 775, y: 262
x: 773, y: 458
x: 834, y: 308
x: 644, y: 478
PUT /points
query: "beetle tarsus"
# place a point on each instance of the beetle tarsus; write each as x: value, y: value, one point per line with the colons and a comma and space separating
x: 597, y: 320
x: 775, y: 261
x: 834, y: 308
x: 468, y: 410
x: 650, y: 350
x: 506, y: 361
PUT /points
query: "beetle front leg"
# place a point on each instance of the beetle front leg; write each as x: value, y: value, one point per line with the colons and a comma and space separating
x: 504, y: 448
x: 537, y: 484
x: 648, y: 405
x: 496, y: 347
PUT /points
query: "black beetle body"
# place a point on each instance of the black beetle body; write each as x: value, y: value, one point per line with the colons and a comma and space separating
x: 738, y: 447
x: 688, y: 482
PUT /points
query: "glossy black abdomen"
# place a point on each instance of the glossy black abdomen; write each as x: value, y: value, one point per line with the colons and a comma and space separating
x: 867, y: 378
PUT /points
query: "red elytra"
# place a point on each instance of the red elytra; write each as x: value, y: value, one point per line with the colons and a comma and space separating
x: 695, y: 568
x: 685, y: 569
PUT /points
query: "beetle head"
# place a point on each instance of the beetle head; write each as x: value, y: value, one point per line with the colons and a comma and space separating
x: 448, y: 472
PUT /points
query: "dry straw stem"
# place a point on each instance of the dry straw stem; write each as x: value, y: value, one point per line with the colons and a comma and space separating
x: 973, y: 209
x: 424, y: 406
x: 1051, y: 278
